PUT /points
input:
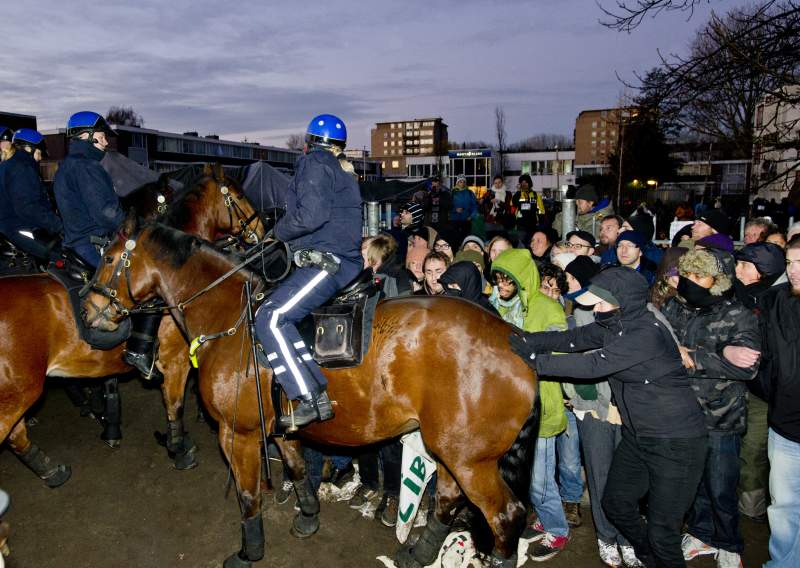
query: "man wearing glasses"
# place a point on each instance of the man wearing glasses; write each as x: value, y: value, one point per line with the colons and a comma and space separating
x: 581, y: 243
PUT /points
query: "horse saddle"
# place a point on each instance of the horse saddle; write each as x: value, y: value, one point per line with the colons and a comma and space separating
x: 341, y: 328
x: 74, y: 274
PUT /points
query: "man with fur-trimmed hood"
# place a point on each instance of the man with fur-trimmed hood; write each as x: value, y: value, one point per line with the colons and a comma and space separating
x: 720, y: 346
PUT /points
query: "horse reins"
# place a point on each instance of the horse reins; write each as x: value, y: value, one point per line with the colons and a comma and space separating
x: 109, y: 290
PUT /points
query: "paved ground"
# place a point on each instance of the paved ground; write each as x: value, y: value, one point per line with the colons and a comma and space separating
x: 128, y: 507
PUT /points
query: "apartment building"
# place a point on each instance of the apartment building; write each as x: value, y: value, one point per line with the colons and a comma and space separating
x: 393, y: 142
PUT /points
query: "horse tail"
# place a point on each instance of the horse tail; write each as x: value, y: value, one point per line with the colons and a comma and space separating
x: 515, y: 465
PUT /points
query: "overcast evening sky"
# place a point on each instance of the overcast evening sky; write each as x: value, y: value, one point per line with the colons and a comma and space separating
x: 261, y: 70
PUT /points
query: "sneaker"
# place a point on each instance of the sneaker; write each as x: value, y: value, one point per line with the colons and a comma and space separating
x: 573, y: 513
x: 534, y: 532
x: 283, y: 493
x: 609, y: 554
x: 361, y: 496
x: 389, y: 513
x: 727, y: 559
x: 693, y: 547
x: 629, y: 559
x: 548, y: 547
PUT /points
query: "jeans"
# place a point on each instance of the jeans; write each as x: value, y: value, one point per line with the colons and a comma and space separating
x: 754, y: 473
x: 392, y: 460
x: 543, y: 491
x: 668, y: 471
x: 784, y: 511
x: 599, y: 440
x: 568, y: 447
x: 714, y: 517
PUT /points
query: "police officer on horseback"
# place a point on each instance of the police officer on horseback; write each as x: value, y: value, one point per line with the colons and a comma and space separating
x: 27, y: 218
x: 92, y: 213
x: 322, y: 225
x: 6, y: 136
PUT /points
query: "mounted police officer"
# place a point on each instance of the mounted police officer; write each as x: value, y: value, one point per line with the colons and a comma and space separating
x: 92, y: 213
x: 27, y: 218
x: 322, y: 226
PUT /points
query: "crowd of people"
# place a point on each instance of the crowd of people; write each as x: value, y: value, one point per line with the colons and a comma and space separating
x: 667, y: 373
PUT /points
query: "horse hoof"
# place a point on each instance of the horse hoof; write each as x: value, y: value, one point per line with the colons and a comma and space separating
x: 404, y: 558
x: 59, y: 477
x: 304, y: 526
x: 184, y: 461
x: 236, y: 561
x: 113, y: 444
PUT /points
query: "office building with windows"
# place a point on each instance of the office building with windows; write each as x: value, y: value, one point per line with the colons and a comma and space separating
x: 167, y: 151
x: 393, y: 143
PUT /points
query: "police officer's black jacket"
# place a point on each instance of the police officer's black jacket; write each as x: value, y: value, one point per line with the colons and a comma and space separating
x: 638, y: 355
x: 323, y: 208
x: 85, y: 195
x: 25, y: 205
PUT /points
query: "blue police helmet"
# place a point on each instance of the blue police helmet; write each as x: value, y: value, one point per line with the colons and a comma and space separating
x: 28, y: 137
x: 87, y: 121
x: 6, y: 134
x: 326, y: 130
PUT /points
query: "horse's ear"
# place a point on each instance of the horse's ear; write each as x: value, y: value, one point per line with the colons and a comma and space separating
x: 208, y: 170
x: 219, y: 172
x: 130, y: 225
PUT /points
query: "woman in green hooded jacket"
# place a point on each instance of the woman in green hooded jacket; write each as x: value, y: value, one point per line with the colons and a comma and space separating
x: 517, y: 298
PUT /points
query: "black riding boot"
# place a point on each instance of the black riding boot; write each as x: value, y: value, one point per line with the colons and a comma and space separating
x: 315, y: 406
x: 141, y: 350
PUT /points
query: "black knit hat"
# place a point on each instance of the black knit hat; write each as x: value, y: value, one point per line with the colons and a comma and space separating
x: 583, y: 269
x: 587, y: 192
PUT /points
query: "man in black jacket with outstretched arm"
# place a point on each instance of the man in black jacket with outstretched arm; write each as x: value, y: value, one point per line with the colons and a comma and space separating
x: 663, y: 443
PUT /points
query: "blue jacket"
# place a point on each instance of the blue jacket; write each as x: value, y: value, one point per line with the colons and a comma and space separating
x: 85, y: 195
x: 323, y: 208
x: 23, y: 198
x: 466, y: 200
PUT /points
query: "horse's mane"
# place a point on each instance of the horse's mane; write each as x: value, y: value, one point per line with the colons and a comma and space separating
x: 177, y: 247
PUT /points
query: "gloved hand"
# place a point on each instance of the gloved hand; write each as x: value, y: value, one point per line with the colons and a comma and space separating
x: 522, y: 347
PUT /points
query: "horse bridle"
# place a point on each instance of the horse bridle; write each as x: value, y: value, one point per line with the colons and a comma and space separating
x: 109, y: 289
x: 244, y: 221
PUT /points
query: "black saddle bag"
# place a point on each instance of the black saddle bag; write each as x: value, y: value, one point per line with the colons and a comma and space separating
x: 339, y: 333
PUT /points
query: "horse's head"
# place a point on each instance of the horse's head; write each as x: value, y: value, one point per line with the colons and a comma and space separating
x: 230, y: 211
x: 123, y: 280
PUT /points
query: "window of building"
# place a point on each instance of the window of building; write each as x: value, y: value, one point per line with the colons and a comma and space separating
x: 602, y: 124
x: 386, y: 135
x: 594, y: 124
x: 594, y: 134
x: 395, y: 164
x: 602, y: 134
x: 602, y: 142
x: 427, y: 123
x: 594, y: 142
x: 392, y: 134
x: 385, y: 143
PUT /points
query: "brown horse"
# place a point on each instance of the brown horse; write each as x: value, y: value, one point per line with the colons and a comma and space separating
x: 40, y: 337
x: 422, y: 371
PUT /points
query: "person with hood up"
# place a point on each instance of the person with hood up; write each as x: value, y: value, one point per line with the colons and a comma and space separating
x: 464, y: 207
x: 517, y: 298
x: 720, y: 344
x: 464, y: 280
x: 590, y: 212
x: 758, y: 267
x: 663, y: 444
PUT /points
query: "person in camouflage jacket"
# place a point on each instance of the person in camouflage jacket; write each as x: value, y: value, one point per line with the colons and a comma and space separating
x: 720, y: 346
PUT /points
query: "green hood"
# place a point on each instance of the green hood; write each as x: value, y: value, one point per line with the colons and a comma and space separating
x: 541, y: 312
